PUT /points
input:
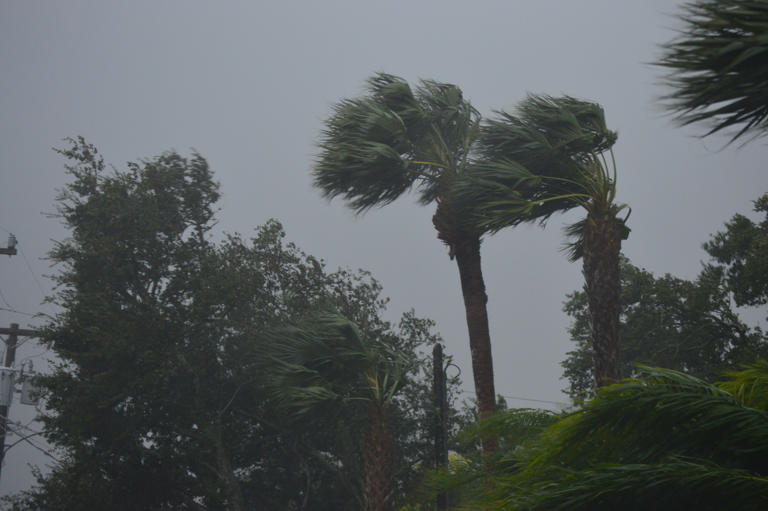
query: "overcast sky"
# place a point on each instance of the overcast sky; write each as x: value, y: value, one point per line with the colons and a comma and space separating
x: 248, y: 85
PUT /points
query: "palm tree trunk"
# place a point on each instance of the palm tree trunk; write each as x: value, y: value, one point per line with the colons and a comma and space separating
x: 467, y: 252
x: 602, y: 244
x: 378, y: 461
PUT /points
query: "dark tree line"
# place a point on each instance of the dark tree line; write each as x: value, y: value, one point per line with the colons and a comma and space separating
x: 163, y: 395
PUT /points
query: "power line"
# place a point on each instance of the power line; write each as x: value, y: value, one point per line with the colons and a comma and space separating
x: 4, y: 300
x: 558, y: 403
x: 16, y: 311
x: 29, y: 267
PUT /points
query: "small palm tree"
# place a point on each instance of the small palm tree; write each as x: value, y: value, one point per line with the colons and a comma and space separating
x: 663, y: 441
x: 323, y: 370
x: 718, y: 66
x: 377, y: 147
x: 549, y: 157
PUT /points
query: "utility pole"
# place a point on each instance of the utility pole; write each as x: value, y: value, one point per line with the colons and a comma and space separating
x: 11, y: 248
x: 13, y: 334
x: 440, y: 389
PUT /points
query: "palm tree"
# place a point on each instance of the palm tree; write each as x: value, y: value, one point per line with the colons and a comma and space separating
x: 377, y: 147
x: 324, y: 370
x: 548, y: 158
x: 663, y: 441
x: 718, y: 66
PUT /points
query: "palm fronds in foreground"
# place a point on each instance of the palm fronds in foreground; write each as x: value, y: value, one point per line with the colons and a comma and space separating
x: 658, y: 442
x: 718, y: 66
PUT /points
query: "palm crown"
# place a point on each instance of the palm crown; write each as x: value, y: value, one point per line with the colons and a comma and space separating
x: 543, y: 159
x: 377, y: 147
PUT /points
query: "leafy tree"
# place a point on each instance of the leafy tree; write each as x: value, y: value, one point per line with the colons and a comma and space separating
x: 718, y: 66
x: 156, y: 400
x: 546, y: 158
x: 743, y: 252
x: 377, y: 147
x: 685, y: 325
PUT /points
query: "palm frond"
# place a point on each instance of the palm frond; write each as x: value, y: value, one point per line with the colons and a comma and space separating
x: 364, y: 155
x: 377, y: 147
x: 574, y: 233
x: 750, y: 385
x: 542, y: 159
x: 661, y: 441
x: 670, y: 484
x: 544, y: 132
x: 324, y: 363
x: 718, y: 66
x: 514, y: 429
x: 664, y: 413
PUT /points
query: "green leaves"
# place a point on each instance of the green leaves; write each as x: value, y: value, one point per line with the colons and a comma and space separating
x: 323, y: 364
x: 376, y: 147
x: 718, y: 67
x: 669, y: 322
x: 660, y: 441
x: 162, y: 382
x: 742, y: 250
x: 544, y: 158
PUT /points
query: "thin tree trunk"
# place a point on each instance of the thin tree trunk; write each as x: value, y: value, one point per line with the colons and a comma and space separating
x: 467, y: 252
x: 602, y: 244
x: 225, y: 470
x: 378, y: 461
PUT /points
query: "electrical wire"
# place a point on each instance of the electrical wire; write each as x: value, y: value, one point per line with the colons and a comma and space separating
x: 2, y: 296
x: 14, y: 311
x: 26, y: 438
x: 29, y: 267
x: 557, y: 403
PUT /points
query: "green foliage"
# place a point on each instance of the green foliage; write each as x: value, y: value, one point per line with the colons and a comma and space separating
x: 743, y: 251
x: 749, y: 385
x: 668, y: 322
x: 157, y: 400
x: 378, y: 146
x: 539, y: 160
x: 470, y: 473
x: 718, y: 66
x: 660, y: 441
x: 325, y: 372
x: 325, y: 364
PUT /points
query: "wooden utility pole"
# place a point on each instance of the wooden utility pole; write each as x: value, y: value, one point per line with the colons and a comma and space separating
x: 11, y: 248
x: 440, y: 389
x: 13, y: 334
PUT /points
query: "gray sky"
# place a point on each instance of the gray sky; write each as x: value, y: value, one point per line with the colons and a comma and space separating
x: 248, y: 85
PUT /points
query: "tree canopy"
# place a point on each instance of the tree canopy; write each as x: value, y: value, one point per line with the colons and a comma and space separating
x: 742, y: 251
x: 668, y: 322
x: 159, y: 398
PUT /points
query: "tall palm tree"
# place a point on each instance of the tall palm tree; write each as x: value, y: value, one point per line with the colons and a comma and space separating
x: 718, y: 66
x: 321, y: 371
x: 548, y: 158
x: 376, y: 147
